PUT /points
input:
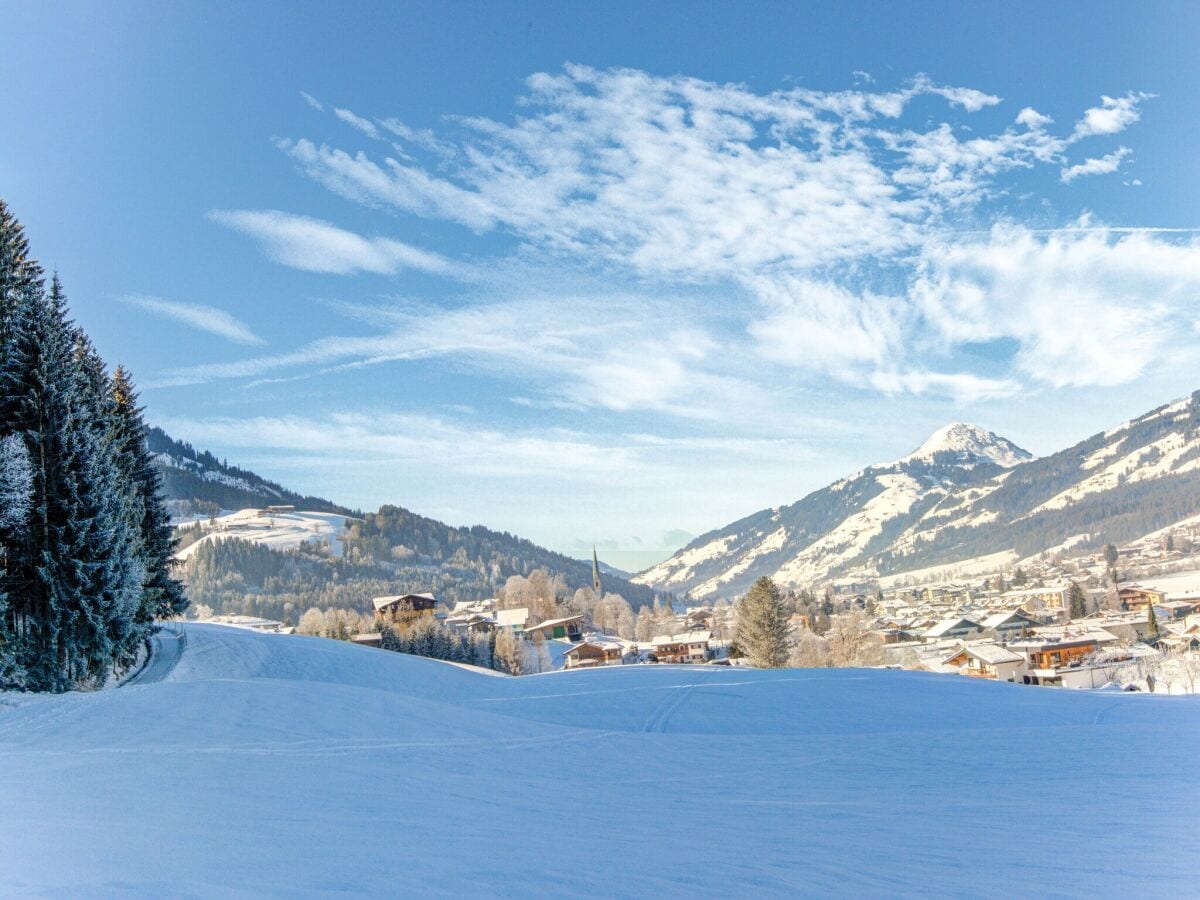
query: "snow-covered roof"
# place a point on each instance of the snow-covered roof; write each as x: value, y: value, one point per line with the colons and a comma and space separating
x: 992, y: 654
x: 1049, y: 635
x: 998, y: 619
x: 511, y: 618
x: 381, y: 602
x: 947, y: 625
x: 689, y: 637
x: 600, y: 643
x: 553, y: 623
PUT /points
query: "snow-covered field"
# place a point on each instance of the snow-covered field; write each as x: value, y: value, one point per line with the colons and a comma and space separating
x: 299, y: 766
x: 280, y: 531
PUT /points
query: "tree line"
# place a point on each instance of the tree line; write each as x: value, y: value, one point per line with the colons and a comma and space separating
x: 85, y: 542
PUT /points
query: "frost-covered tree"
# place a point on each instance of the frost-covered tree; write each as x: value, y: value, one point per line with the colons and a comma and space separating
x: 851, y: 641
x: 509, y: 652
x: 644, y: 628
x: 762, y: 627
x: 162, y: 595
x: 809, y: 651
x: 74, y: 572
x: 16, y: 484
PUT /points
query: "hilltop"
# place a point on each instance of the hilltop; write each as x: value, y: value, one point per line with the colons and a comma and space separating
x: 323, y: 554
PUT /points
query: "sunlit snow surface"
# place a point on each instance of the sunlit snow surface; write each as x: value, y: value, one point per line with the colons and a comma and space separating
x: 291, y: 765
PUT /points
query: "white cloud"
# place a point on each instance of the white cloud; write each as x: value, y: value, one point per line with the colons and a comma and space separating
x: 822, y: 226
x: 670, y: 176
x: 624, y: 354
x: 316, y: 246
x: 383, y: 437
x: 198, y: 316
x: 366, y: 126
x: 961, y: 387
x: 1104, y: 165
x: 1086, y: 308
x: 1031, y: 118
x: 313, y: 101
x: 1113, y: 115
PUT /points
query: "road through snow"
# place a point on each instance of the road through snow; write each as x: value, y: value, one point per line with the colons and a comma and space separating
x: 165, y: 649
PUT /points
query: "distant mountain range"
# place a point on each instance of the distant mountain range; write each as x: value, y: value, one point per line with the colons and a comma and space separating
x: 966, y: 493
x: 457, y: 562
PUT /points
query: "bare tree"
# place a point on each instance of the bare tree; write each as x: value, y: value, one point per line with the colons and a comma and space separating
x: 852, y: 643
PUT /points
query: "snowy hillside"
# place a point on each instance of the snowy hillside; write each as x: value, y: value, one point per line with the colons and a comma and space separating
x: 279, y: 531
x: 965, y: 498
x: 286, y: 765
x: 834, y: 530
x: 198, y: 477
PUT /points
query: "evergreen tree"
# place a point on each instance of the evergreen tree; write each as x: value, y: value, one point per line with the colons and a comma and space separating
x: 1077, y: 601
x: 762, y: 628
x: 162, y: 595
x: 1151, y: 621
x: 72, y: 577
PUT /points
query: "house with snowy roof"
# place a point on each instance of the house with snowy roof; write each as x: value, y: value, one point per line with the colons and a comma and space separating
x: 1005, y: 626
x: 597, y: 650
x: 513, y: 620
x: 953, y: 627
x: 691, y: 647
x: 1053, y: 650
x: 403, y: 608
x: 987, y: 660
x: 568, y: 627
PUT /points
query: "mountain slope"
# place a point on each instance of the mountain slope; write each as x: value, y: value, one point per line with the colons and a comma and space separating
x: 390, y: 551
x: 835, y: 528
x: 263, y: 762
x: 200, y: 478
x: 963, y: 494
x: 1119, y: 485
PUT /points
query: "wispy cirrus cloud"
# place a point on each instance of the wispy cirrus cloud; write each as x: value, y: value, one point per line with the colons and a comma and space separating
x: 366, y: 126
x: 209, y: 319
x: 824, y: 221
x: 316, y: 246
x: 627, y: 354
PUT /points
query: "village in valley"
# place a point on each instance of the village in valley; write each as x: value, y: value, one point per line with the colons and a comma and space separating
x: 1119, y: 618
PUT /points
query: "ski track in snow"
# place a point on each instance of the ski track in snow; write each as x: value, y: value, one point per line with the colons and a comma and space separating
x: 268, y: 764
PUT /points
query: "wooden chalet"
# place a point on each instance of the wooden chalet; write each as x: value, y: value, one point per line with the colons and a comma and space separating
x: 594, y: 651
x: 403, y: 609
x: 1136, y: 598
x: 692, y: 647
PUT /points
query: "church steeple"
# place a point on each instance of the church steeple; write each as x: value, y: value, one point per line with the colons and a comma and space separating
x: 597, y: 589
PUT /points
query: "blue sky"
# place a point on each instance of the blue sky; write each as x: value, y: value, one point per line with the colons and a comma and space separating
x: 611, y: 273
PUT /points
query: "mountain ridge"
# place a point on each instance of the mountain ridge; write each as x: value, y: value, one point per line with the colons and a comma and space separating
x: 964, y: 493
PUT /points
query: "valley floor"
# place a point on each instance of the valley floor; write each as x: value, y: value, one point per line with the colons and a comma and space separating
x: 282, y: 764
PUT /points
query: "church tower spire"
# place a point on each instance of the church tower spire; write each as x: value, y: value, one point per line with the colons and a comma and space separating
x: 597, y: 588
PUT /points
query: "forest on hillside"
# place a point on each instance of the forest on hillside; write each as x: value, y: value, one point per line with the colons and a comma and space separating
x: 393, y: 551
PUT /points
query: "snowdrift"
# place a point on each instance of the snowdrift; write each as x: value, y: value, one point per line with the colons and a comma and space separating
x: 275, y: 764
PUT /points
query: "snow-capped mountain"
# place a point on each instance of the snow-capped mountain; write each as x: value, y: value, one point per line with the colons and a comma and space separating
x: 837, y: 527
x: 964, y: 494
x: 967, y: 445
